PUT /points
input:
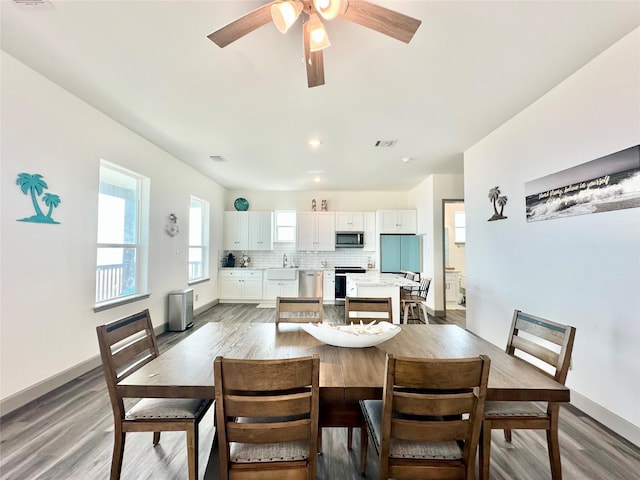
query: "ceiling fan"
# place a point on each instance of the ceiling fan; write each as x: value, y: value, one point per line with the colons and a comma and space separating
x: 284, y: 14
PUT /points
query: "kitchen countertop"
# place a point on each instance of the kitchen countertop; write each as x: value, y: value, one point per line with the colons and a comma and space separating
x: 377, y: 279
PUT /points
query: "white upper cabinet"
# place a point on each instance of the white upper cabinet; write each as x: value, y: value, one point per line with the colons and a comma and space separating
x: 316, y: 231
x: 248, y: 230
x: 369, y: 232
x: 260, y: 231
x: 349, y: 221
x: 235, y: 231
x: 397, y: 221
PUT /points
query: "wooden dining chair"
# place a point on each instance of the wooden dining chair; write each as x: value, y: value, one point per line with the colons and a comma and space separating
x: 367, y: 310
x: 267, y: 418
x: 416, y: 300
x: 427, y: 424
x: 539, y: 336
x: 299, y: 310
x: 126, y: 345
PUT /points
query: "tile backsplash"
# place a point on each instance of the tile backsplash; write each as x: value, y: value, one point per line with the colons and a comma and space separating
x: 351, y: 257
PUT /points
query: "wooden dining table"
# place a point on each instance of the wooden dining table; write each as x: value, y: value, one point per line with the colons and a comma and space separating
x: 346, y: 374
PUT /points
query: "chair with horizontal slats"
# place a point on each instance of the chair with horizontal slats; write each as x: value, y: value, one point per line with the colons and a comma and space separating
x: 367, y: 309
x: 428, y: 423
x: 126, y: 345
x: 299, y: 310
x: 539, y: 339
x: 267, y: 417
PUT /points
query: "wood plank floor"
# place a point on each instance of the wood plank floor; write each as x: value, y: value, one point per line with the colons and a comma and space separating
x: 68, y: 434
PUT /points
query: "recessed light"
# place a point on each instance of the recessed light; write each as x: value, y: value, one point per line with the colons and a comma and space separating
x: 406, y: 159
x: 317, y: 179
x: 315, y: 142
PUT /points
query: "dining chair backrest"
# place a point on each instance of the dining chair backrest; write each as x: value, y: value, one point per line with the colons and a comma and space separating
x: 368, y: 309
x: 265, y: 410
x: 299, y: 310
x: 126, y: 345
x: 432, y: 412
x: 538, y: 331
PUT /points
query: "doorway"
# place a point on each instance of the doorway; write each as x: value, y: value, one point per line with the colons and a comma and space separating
x: 454, y: 255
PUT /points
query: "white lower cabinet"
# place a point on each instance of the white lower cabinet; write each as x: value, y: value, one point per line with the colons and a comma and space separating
x: 452, y: 288
x: 280, y: 288
x: 240, y: 284
x: 329, y: 287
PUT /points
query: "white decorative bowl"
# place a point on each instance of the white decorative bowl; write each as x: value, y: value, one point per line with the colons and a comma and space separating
x: 353, y: 336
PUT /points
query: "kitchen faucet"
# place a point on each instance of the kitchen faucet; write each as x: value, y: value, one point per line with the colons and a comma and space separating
x: 284, y: 260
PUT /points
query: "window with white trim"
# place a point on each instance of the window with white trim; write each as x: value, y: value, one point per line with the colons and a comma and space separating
x: 285, y: 226
x: 198, y: 239
x: 123, y: 219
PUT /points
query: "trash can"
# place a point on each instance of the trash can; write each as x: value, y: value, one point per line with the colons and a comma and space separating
x: 180, y: 310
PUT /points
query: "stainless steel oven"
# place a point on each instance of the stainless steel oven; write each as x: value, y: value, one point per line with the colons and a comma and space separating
x: 341, y: 281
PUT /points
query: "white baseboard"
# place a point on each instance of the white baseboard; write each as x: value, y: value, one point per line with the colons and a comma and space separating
x: 33, y: 392
x: 619, y: 425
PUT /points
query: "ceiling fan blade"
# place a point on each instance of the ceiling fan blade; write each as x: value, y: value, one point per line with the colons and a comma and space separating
x: 314, y: 62
x: 381, y: 19
x: 242, y: 26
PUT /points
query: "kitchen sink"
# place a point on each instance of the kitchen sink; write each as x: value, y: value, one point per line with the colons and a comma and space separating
x: 281, y: 273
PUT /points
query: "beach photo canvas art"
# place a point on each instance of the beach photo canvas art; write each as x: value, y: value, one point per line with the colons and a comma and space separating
x: 608, y: 183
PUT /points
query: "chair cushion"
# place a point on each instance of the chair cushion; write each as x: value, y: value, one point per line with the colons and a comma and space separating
x: 166, y: 408
x: 372, y: 410
x: 268, y: 452
x: 513, y: 409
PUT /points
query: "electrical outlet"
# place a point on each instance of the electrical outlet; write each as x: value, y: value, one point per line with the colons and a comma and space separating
x: 196, y: 297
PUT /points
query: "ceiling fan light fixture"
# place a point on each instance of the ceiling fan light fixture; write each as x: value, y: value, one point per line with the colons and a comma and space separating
x: 330, y: 9
x: 285, y: 14
x: 318, y: 38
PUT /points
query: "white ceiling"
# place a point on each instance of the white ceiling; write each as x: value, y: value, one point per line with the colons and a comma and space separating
x: 471, y: 66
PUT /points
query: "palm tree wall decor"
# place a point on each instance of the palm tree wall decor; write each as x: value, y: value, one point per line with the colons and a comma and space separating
x: 34, y: 185
x: 498, y: 201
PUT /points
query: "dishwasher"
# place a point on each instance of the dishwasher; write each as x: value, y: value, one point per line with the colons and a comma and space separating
x: 310, y: 283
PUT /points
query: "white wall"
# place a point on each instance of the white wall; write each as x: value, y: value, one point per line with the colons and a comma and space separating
x: 47, y: 289
x: 336, y: 201
x: 427, y: 199
x: 581, y: 270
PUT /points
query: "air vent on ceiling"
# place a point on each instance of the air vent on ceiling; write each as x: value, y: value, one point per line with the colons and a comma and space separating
x: 33, y: 3
x: 385, y: 143
x: 217, y: 158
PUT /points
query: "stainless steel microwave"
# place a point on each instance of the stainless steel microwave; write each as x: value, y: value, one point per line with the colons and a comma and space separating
x: 349, y: 239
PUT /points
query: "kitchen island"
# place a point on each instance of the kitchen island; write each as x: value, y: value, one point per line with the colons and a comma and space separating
x: 379, y: 285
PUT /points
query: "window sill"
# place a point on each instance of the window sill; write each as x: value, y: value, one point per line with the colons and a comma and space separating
x: 197, y: 281
x: 120, y: 301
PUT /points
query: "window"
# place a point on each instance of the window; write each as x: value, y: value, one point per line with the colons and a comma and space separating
x: 198, y: 239
x: 459, y: 227
x: 285, y: 226
x: 123, y: 207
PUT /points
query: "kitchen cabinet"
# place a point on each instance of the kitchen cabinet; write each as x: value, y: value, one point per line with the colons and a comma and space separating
x: 240, y: 284
x: 280, y: 288
x: 316, y: 231
x: 370, y: 237
x: 329, y: 287
x: 260, y: 232
x: 235, y: 231
x: 349, y: 221
x: 397, y: 221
